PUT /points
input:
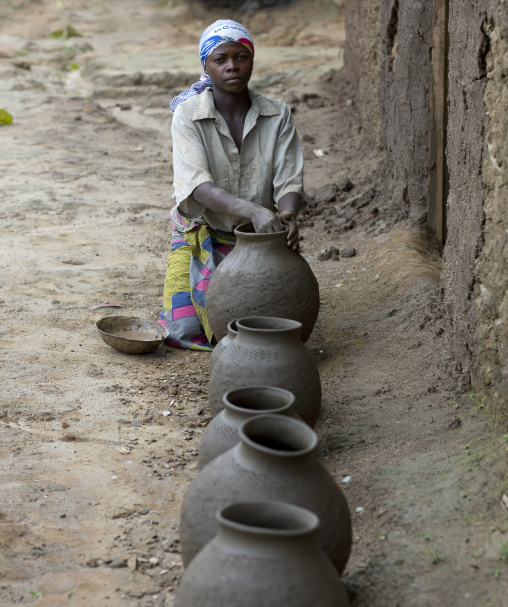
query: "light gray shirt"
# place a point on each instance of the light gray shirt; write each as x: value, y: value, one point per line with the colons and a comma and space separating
x: 269, y: 165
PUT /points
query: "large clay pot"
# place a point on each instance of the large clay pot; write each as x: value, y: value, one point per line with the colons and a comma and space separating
x: 223, y: 344
x: 262, y: 276
x: 264, y: 554
x: 222, y: 432
x: 268, y: 352
x: 274, y: 460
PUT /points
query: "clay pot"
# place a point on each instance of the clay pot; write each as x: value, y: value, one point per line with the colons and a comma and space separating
x: 262, y: 276
x: 274, y: 460
x: 239, y: 405
x: 268, y: 352
x: 264, y: 553
x: 223, y: 344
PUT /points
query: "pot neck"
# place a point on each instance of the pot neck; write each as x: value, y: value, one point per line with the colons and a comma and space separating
x: 267, y: 526
x: 259, y: 330
x: 245, y: 236
x: 276, y: 441
x: 244, y: 403
x: 261, y: 543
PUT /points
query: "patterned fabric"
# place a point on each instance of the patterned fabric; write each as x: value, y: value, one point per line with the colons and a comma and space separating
x: 218, y: 33
x: 196, y: 250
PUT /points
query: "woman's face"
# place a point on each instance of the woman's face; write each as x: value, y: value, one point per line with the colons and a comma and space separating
x: 230, y: 67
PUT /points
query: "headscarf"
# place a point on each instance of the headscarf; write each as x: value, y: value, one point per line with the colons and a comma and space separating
x: 218, y: 33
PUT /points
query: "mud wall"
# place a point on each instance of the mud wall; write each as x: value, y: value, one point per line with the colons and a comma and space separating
x: 407, y: 69
x: 475, y: 270
x: 490, y: 314
x: 364, y: 65
x: 388, y: 60
x: 465, y: 155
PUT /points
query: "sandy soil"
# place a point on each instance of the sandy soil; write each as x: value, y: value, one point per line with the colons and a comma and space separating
x: 92, y: 472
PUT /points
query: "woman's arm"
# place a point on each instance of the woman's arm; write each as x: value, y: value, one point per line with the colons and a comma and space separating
x: 288, y: 176
x: 217, y: 199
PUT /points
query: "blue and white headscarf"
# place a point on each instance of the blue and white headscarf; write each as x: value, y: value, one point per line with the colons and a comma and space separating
x: 218, y: 33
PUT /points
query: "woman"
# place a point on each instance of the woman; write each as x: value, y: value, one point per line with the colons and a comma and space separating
x: 236, y: 158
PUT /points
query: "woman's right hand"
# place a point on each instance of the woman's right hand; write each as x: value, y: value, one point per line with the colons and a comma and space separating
x: 265, y: 221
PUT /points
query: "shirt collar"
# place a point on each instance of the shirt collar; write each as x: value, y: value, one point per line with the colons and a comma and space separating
x: 205, y: 107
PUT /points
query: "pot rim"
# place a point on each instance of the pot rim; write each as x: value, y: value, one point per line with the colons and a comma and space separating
x: 287, y: 325
x: 294, y: 520
x: 297, y: 424
x: 289, y: 396
x: 232, y: 327
x: 240, y: 231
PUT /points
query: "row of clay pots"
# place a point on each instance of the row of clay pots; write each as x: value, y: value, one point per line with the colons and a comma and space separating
x: 261, y: 517
x: 274, y: 460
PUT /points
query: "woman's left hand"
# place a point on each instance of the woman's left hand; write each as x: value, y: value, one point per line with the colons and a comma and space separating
x: 287, y: 219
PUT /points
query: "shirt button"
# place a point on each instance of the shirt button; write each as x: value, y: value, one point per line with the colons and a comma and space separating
x: 242, y: 173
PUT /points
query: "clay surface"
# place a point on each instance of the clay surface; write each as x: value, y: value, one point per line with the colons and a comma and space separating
x: 275, y: 460
x: 223, y: 344
x: 264, y: 554
x: 262, y: 276
x: 268, y: 352
x: 239, y: 405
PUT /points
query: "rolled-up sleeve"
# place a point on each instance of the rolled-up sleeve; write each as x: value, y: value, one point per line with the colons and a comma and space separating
x: 288, y: 160
x: 190, y: 162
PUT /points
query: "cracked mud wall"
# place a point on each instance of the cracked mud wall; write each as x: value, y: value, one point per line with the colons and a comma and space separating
x: 388, y: 61
x: 475, y: 268
x: 408, y: 69
x: 465, y: 147
x: 490, y: 336
x: 363, y: 60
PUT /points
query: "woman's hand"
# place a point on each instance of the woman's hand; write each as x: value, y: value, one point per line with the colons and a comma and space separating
x: 286, y: 218
x: 265, y: 220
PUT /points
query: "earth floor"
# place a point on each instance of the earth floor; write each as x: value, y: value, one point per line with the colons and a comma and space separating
x: 93, y: 473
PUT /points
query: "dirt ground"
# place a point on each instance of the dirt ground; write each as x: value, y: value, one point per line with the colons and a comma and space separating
x: 92, y: 472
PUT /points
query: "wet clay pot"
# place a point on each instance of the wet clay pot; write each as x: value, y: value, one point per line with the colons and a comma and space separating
x: 274, y: 460
x: 223, y: 344
x: 264, y: 554
x: 262, y: 276
x: 222, y: 433
x: 268, y: 352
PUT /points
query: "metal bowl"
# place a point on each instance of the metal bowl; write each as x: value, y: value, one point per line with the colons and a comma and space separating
x: 146, y: 335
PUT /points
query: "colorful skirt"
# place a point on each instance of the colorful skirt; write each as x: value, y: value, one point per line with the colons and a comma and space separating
x: 196, y: 250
